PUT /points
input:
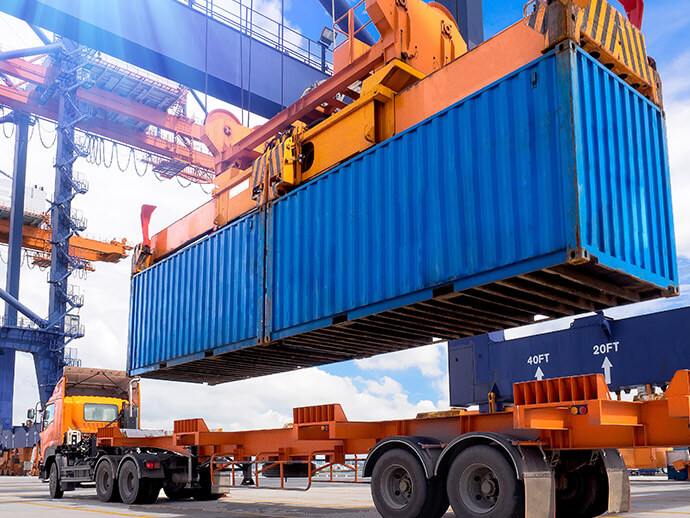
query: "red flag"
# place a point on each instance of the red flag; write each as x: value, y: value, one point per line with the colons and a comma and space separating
x: 634, y: 9
x: 146, y: 211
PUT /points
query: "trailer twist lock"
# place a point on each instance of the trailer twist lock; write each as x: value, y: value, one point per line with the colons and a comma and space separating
x: 578, y: 410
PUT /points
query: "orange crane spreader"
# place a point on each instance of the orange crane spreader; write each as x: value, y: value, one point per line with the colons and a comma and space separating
x: 36, y: 235
x: 380, y: 91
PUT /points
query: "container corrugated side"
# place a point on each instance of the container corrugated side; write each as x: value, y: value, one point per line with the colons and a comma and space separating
x: 204, y: 296
x: 625, y: 209
x: 474, y: 220
x: 482, y: 191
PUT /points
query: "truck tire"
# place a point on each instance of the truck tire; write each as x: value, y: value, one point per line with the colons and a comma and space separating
x: 106, y: 484
x: 585, y: 493
x: 400, y: 488
x: 135, y: 490
x: 153, y: 490
x: 204, y: 493
x: 54, y: 482
x: 482, y: 484
x: 176, y: 491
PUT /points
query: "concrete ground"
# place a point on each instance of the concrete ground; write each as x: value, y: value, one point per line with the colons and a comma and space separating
x: 23, y: 497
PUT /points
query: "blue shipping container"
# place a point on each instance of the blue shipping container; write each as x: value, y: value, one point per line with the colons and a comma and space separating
x: 205, y: 296
x: 545, y: 193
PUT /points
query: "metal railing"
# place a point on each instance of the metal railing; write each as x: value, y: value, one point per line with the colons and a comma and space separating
x: 262, y: 28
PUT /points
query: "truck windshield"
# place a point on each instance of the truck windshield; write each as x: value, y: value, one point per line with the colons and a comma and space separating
x: 100, y: 412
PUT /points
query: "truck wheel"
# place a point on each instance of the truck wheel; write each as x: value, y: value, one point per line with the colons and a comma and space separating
x: 204, y: 492
x: 584, y: 493
x: 482, y: 483
x: 54, y: 482
x: 153, y: 489
x: 135, y: 490
x: 106, y: 485
x: 176, y: 491
x: 400, y: 488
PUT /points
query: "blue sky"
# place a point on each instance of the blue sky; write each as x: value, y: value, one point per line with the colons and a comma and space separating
x: 396, y: 385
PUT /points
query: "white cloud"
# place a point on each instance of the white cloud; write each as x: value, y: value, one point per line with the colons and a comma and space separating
x: 428, y: 359
x: 268, y: 402
x: 386, y: 386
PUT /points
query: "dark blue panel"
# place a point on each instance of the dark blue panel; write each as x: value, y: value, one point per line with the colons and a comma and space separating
x: 168, y: 38
x: 18, y: 437
x: 633, y: 351
x: 7, y: 357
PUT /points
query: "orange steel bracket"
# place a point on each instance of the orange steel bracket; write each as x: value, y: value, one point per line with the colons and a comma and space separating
x: 678, y: 395
x: 220, y: 131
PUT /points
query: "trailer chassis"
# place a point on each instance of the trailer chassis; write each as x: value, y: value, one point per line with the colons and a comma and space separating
x: 554, y: 453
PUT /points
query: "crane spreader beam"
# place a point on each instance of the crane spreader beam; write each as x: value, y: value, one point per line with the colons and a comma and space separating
x: 91, y: 250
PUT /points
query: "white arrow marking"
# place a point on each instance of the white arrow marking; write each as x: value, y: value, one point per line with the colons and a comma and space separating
x: 607, y: 370
x: 539, y: 374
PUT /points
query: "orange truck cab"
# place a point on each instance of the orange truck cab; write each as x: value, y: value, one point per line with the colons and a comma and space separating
x: 83, y: 401
x: 90, y: 435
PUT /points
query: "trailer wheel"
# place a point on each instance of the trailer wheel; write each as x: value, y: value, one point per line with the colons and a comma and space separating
x: 583, y: 493
x: 153, y: 489
x: 482, y: 483
x: 54, y: 482
x: 135, y: 490
x: 106, y: 484
x: 204, y: 493
x: 176, y: 491
x: 400, y: 488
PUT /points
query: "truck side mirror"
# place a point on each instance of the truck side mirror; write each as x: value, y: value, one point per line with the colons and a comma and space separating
x: 30, y: 414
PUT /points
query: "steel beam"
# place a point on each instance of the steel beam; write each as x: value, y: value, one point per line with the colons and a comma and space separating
x: 32, y: 51
x: 61, y: 209
x: 18, y: 306
x: 14, y: 261
x: 7, y: 357
x: 48, y: 355
x: 170, y: 39
x: 49, y: 365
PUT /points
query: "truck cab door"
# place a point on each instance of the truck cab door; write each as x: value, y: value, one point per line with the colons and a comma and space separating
x: 50, y: 428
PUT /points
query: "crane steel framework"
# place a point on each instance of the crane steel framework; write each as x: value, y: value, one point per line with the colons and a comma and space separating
x: 79, y: 91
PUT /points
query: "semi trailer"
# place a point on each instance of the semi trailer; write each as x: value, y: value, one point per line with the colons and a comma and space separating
x: 552, y: 446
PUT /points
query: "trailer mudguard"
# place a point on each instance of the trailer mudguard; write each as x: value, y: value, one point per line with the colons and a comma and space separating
x: 426, y: 449
x: 619, y: 481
